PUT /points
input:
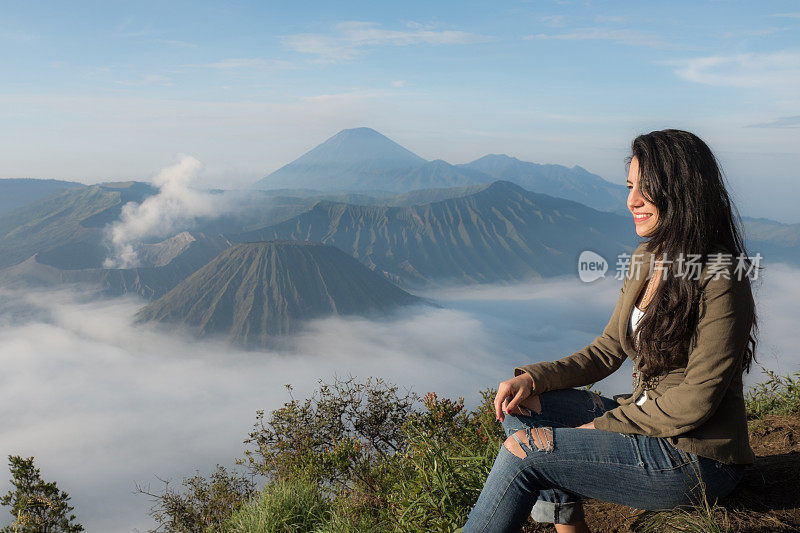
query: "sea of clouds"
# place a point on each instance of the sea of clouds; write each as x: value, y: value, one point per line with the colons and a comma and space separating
x: 103, y: 404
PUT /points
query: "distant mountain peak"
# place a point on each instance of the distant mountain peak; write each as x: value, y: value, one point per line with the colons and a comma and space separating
x: 505, y: 185
x: 497, y: 157
x: 345, y: 161
x: 359, y: 132
x: 358, y: 145
x: 502, y: 188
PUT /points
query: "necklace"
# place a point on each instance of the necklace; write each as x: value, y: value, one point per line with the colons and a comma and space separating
x: 651, y: 382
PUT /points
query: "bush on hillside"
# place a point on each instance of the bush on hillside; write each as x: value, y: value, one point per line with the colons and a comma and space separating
x: 205, y: 503
x: 36, y: 505
x: 779, y: 395
x: 384, y: 458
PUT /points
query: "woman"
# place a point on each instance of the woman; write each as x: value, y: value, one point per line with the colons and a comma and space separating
x: 690, y: 328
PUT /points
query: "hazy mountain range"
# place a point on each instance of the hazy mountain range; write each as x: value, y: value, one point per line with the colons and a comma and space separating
x: 361, y: 159
x: 498, y: 233
x: 373, y: 219
x: 61, y: 221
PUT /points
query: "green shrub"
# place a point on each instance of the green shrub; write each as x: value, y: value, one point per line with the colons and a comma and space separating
x: 204, y: 505
x: 343, y: 437
x: 381, y: 460
x: 447, y: 456
x: 35, y: 504
x: 778, y: 395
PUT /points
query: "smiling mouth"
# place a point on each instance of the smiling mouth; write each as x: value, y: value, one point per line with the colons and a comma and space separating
x: 641, y: 218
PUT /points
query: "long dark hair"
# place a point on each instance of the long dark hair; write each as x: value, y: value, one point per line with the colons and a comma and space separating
x: 679, y: 174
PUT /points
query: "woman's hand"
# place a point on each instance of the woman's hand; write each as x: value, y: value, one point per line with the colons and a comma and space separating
x: 590, y: 425
x: 510, y: 393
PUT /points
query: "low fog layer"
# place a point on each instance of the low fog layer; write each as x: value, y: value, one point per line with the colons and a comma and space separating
x: 103, y: 404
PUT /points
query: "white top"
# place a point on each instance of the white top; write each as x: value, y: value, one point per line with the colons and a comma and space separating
x: 636, y: 315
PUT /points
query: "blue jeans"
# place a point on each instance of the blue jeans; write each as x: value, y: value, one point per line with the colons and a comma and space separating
x: 549, y: 483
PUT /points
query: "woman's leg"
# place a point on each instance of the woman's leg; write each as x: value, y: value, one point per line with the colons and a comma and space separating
x: 566, y: 462
x: 559, y: 408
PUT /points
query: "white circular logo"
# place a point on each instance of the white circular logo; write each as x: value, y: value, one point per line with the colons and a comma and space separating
x: 591, y: 266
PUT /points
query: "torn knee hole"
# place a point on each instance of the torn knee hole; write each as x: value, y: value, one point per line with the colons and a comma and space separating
x: 520, y: 441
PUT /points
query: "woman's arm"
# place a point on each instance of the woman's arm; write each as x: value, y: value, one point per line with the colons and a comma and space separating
x: 723, y: 333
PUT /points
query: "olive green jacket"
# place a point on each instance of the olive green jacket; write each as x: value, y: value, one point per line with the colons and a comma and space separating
x: 699, y: 407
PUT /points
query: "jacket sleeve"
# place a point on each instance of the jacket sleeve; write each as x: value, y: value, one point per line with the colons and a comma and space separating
x: 723, y: 332
x: 591, y: 364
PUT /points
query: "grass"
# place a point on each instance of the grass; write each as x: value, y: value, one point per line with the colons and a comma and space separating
x: 702, y: 517
x: 285, y: 507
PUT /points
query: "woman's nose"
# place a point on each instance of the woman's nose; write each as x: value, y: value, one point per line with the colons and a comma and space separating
x: 635, y: 199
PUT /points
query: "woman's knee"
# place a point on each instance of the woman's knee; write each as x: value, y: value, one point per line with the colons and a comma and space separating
x: 511, y: 423
x: 540, y: 437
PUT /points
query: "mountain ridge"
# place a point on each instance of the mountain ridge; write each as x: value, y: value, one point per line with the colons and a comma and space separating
x: 499, y: 233
x: 575, y: 183
x: 16, y: 193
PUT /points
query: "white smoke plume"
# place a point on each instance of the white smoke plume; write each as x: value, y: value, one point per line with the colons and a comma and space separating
x: 175, y: 206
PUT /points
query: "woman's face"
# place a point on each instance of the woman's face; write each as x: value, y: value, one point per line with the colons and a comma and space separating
x: 645, y: 214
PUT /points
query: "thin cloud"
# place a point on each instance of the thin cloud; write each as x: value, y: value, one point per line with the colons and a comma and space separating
x: 149, y: 79
x: 774, y: 71
x: 349, y: 38
x: 620, y: 36
x: 245, y: 63
x: 780, y: 122
x: 738, y: 34
x: 554, y: 21
x: 794, y: 15
x: 615, y: 19
x: 354, y: 96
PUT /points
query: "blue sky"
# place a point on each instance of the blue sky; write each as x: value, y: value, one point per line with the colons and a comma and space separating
x: 94, y: 91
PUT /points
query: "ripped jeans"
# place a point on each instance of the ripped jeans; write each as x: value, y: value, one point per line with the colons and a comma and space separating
x: 563, y: 465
